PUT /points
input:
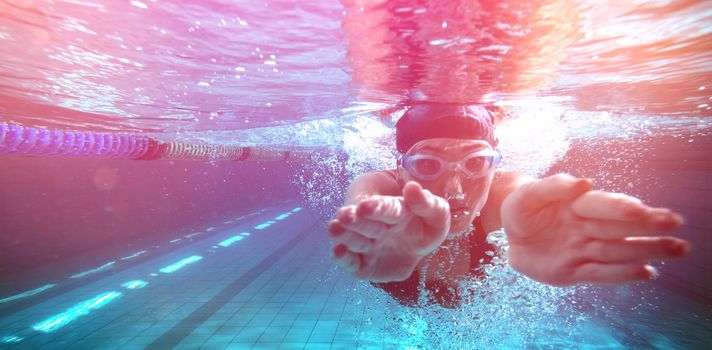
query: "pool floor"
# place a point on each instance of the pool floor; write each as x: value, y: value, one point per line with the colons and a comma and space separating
x: 261, y: 282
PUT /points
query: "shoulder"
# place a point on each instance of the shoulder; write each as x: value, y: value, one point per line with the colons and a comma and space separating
x: 503, y: 184
x: 380, y: 176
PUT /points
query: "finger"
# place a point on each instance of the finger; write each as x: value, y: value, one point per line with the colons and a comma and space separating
x: 347, y: 219
x: 605, y: 273
x: 387, y: 209
x: 662, y: 219
x: 334, y: 227
x: 434, y: 210
x: 655, y: 222
x: 554, y: 188
x: 610, y: 206
x: 354, y: 241
x: 348, y: 260
x: 638, y: 249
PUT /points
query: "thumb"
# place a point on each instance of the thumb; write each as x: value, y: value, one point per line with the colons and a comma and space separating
x: 433, y: 210
x: 551, y: 189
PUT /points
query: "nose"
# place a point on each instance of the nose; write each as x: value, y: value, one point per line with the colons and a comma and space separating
x: 453, y: 183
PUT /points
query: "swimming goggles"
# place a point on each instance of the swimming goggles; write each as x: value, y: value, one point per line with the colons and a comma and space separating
x: 430, y: 167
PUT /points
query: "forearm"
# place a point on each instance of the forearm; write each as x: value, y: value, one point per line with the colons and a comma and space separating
x: 369, y: 184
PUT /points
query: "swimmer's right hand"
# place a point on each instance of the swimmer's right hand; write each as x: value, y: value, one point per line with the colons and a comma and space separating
x: 382, y: 238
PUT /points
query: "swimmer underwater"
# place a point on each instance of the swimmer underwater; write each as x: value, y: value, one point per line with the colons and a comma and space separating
x: 430, y: 216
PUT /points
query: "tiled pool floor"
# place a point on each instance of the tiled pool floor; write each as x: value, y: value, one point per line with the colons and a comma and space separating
x: 273, y: 289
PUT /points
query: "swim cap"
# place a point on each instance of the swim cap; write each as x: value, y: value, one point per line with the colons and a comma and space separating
x: 428, y: 121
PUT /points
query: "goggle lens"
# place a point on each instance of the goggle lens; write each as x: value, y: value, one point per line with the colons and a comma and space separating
x: 430, y: 167
x: 479, y: 164
x: 427, y: 166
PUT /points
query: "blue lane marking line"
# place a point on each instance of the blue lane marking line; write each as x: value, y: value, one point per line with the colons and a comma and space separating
x: 174, y: 240
x: 231, y: 240
x: 84, y: 308
x: 135, y: 284
x: 181, y: 264
x: 28, y: 293
x: 88, y: 272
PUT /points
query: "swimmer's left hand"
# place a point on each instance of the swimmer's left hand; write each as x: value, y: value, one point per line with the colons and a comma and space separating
x: 561, y: 232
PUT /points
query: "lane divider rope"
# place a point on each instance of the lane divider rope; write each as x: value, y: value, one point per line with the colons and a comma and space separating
x: 21, y: 140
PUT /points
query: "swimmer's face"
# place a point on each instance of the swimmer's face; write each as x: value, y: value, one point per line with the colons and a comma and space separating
x: 465, y: 191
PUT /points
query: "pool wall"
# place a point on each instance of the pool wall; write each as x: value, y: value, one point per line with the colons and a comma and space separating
x: 63, y: 215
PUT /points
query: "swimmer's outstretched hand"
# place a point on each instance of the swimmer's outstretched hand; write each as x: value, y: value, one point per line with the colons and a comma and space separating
x: 561, y: 232
x: 382, y: 238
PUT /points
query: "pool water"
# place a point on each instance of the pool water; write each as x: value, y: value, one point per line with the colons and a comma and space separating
x: 110, y: 253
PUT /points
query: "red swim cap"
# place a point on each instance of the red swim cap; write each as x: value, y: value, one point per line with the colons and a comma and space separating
x: 428, y: 121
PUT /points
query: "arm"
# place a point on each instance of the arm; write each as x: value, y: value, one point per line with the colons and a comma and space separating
x: 370, y: 184
x: 504, y: 184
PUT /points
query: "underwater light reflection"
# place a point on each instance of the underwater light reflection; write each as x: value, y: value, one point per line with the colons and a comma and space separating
x: 60, y: 320
x: 179, y: 265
